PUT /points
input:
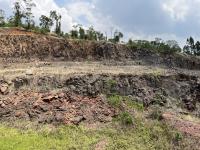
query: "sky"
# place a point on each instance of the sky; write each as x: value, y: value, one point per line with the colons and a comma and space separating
x: 137, y: 19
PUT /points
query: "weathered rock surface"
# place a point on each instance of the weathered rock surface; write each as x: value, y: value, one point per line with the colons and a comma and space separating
x: 30, y: 46
x: 178, y: 91
x: 57, y: 108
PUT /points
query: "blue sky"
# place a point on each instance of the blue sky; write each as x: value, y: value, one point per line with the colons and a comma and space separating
x: 62, y: 2
x: 137, y: 19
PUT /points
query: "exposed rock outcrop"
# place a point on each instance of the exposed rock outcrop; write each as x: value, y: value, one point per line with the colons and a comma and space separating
x: 29, y: 46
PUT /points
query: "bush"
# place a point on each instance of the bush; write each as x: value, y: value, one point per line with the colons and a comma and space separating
x: 178, y: 137
x: 168, y: 47
x: 125, y: 118
x: 156, y: 114
x: 111, y: 83
x: 133, y: 103
x: 115, y: 100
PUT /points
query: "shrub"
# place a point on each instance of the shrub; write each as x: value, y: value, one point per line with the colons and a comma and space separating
x: 115, y: 100
x: 156, y: 114
x: 168, y: 47
x: 159, y: 99
x: 133, y: 104
x: 111, y: 83
x: 178, y: 137
x: 125, y: 118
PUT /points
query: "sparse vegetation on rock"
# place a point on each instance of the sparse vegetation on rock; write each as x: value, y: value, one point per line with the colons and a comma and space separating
x: 83, y: 90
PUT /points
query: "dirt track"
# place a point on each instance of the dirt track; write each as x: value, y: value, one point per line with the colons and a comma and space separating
x: 66, y: 68
x: 13, y: 70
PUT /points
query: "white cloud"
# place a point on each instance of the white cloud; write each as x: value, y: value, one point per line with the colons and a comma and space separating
x: 45, y: 6
x: 86, y: 13
x: 177, y: 9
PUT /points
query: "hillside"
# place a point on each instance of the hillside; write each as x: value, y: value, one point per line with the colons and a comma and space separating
x: 95, y: 95
x: 18, y: 44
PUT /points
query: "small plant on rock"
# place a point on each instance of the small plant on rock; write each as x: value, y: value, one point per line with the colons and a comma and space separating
x: 111, y: 83
x: 178, y: 137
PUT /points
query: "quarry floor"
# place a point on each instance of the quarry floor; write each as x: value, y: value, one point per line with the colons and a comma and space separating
x: 70, y: 68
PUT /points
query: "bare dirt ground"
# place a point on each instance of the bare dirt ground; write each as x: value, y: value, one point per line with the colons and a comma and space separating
x: 67, y: 68
x: 184, y: 125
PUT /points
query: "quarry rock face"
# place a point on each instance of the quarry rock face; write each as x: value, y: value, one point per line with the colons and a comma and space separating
x: 58, y: 108
x: 80, y: 96
x: 29, y: 46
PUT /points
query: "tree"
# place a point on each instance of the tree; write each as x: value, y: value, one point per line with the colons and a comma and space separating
x: 74, y: 32
x: 197, y: 49
x: 173, y: 45
x: 46, y: 23
x: 56, y: 17
x: 91, y: 34
x: 28, y: 13
x: 189, y: 48
x: 2, y: 17
x: 117, y: 36
x: 100, y: 36
x: 18, y: 14
x: 81, y: 33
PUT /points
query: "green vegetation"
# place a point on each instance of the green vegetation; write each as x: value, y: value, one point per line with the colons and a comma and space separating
x: 156, y: 113
x: 68, y: 137
x: 115, y: 100
x: 159, y: 99
x: 45, y: 23
x: 125, y: 118
x: 111, y: 83
x: 192, y: 48
x: 133, y: 104
x: 117, y: 36
x: 143, y: 135
x: 168, y: 47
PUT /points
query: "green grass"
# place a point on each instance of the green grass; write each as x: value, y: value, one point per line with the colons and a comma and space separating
x: 125, y: 118
x: 143, y: 135
x: 133, y: 104
x: 115, y: 100
x: 69, y: 137
x: 111, y: 83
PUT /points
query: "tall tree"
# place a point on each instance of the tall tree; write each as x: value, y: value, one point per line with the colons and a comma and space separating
x: 173, y: 45
x: 28, y: 13
x: 189, y: 48
x: 117, y: 36
x: 197, y: 49
x: 74, y: 32
x: 46, y: 22
x: 100, y: 36
x: 91, y: 34
x: 56, y: 17
x: 18, y: 14
x: 81, y: 33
